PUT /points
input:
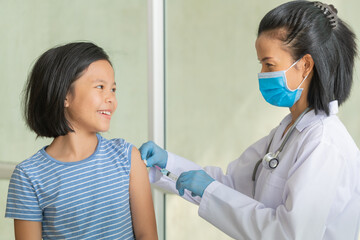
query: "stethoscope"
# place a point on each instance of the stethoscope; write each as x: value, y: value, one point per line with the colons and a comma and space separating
x: 271, y: 160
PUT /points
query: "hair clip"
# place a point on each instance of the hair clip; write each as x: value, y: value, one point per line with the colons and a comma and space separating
x: 330, y: 12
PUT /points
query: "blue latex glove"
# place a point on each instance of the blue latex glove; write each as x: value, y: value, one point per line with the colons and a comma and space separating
x: 195, y: 181
x: 153, y: 154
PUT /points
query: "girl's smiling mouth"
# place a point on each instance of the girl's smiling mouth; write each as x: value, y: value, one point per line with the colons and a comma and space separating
x: 105, y: 113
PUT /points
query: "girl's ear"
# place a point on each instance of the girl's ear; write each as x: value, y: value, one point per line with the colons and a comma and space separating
x: 68, y: 98
x: 308, y: 64
x: 66, y: 102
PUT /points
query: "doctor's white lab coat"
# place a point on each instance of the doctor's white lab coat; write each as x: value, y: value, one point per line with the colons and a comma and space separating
x: 314, y: 193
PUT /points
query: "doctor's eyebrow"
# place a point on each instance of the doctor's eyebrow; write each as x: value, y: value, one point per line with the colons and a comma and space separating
x: 264, y: 59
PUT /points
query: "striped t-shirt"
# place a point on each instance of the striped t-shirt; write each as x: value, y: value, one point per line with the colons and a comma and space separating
x: 88, y: 199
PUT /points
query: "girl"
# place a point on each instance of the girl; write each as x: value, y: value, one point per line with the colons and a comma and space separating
x: 81, y: 186
x: 306, y: 184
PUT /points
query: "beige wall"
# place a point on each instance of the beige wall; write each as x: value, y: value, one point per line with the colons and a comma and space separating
x: 214, y: 107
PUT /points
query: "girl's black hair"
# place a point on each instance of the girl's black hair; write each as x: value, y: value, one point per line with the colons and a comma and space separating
x: 309, y: 30
x: 50, y: 81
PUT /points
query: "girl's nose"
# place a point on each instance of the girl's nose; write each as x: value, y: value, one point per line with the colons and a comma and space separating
x: 110, y: 97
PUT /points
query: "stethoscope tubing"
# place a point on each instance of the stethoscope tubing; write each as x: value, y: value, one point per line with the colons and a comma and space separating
x: 290, y: 131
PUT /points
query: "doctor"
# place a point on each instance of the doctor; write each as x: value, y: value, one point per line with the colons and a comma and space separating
x: 306, y: 184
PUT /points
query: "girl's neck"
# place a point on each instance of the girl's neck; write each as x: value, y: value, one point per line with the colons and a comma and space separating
x: 73, y: 147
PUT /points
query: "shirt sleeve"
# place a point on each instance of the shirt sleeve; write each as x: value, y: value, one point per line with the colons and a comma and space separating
x: 22, y: 201
x: 303, y: 214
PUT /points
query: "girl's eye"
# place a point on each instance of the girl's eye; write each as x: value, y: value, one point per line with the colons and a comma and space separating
x: 100, y: 87
x: 113, y: 90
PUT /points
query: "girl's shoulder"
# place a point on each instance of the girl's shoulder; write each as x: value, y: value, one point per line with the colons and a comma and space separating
x: 117, y: 147
x: 35, y: 161
x: 118, y: 143
x: 32, y: 167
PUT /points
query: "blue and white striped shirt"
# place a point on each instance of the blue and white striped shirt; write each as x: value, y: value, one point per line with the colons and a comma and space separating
x: 88, y: 199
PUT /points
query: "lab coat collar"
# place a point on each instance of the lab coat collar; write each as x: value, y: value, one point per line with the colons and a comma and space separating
x: 310, y: 117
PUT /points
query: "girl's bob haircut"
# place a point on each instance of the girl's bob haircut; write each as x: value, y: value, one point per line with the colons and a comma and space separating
x: 50, y: 81
x: 309, y: 30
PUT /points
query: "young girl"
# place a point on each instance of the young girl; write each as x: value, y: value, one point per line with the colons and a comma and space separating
x: 81, y: 186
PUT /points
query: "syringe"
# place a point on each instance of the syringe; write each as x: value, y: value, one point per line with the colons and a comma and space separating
x: 167, y: 173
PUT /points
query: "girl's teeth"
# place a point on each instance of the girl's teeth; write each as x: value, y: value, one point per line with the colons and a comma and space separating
x: 105, y: 112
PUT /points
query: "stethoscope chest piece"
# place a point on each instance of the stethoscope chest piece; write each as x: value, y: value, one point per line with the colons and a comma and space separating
x: 270, y: 161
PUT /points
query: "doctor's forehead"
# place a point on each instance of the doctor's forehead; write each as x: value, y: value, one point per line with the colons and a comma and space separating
x: 267, y: 47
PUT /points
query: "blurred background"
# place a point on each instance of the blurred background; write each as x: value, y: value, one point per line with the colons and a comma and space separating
x: 214, y: 109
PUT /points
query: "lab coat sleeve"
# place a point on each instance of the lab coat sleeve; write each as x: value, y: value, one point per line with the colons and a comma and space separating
x: 245, y: 162
x: 239, y: 172
x: 175, y: 165
x: 311, y: 190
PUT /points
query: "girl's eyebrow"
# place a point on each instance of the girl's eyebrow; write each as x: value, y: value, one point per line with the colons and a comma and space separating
x: 102, y: 81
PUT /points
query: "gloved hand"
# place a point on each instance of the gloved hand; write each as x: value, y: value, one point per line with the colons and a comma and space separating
x: 195, y: 181
x: 153, y: 154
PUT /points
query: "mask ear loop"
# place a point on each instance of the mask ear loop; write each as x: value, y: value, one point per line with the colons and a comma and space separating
x: 293, y: 64
x: 301, y: 81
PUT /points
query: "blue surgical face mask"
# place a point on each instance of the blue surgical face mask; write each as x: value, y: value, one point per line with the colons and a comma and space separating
x: 273, y: 86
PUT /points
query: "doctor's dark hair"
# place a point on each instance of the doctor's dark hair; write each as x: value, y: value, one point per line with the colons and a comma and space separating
x: 50, y: 81
x: 309, y: 29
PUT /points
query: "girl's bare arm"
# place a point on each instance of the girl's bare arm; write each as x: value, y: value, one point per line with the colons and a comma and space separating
x: 27, y: 230
x: 142, y: 208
